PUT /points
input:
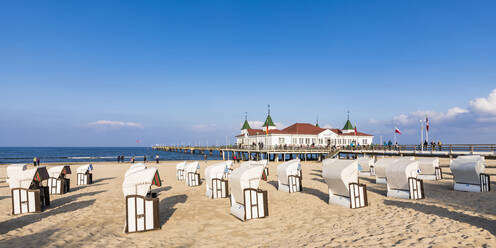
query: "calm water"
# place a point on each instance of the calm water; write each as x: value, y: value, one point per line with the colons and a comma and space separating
x: 89, y: 154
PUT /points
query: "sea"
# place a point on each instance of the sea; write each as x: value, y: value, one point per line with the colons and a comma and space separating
x: 12, y: 155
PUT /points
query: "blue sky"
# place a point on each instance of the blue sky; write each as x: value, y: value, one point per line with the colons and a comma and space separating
x: 103, y: 73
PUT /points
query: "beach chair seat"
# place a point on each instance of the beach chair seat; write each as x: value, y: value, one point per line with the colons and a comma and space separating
x: 84, y: 175
x: 247, y: 201
x: 142, y: 206
x: 468, y: 174
x: 380, y: 169
x: 192, y: 175
x: 58, y: 184
x: 341, y: 177
x: 28, y: 195
x: 289, y: 176
x: 402, y: 181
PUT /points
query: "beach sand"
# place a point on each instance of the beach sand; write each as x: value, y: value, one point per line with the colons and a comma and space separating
x: 94, y: 216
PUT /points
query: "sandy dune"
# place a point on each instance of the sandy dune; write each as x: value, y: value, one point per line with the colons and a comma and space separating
x: 93, y: 216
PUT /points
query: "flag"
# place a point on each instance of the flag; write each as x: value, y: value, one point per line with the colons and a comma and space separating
x: 356, y: 132
x: 427, y: 124
x: 267, y: 129
x: 396, y: 130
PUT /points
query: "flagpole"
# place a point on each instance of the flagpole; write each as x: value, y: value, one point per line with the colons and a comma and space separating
x: 421, y: 135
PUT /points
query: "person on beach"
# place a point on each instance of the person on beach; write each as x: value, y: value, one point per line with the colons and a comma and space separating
x: 132, y: 160
x: 205, y: 157
x: 118, y: 159
x: 157, y: 158
x: 144, y: 159
x: 37, y: 161
x: 34, y: 161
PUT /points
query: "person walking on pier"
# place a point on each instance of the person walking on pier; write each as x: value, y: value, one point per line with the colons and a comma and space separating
x: 37, y: 161
x: 144, y: 159
x: 157, y: 158
x: 132, y: 160
x: 34, y: 161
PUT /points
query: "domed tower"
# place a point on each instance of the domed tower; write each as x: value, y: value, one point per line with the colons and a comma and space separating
x: 246, y: 125
x: 348, y: 127
x: 269, y: 124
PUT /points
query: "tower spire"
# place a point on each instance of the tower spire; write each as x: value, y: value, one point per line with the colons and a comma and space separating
x: 245, y: 124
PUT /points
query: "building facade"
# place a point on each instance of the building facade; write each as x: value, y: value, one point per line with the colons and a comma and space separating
x: 301, y: 134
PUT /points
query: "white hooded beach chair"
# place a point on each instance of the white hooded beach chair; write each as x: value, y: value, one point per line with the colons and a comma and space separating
x: 380, y: 169
x: 289, y: 176
x: 142, y: 206
x: 468, y: 174
x: 216, y: 185
x: 366, y: 166
x: 247, y: 201
x: 402, y: 181
x: 28, y: 194
x: 84, y: 176
x: 58, y: 184
x: 429, y: 169
x: 192, y: 175
x: 180, y: 171
x: 341, y: 177
x: 14, y: 169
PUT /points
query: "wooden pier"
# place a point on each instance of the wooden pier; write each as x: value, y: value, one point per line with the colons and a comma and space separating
x: 320, y: 153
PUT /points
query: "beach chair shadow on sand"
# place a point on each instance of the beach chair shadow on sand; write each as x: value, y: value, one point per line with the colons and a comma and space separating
x: 28, y: 219
x: 167, y: 207
x: 40, y: 238
x: 446, y: 213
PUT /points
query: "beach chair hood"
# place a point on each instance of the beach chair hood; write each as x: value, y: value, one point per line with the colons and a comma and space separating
x: 84, y: 169
x: 181, y: 165
x: 380, y: 166
x: 215, y: 171
x: 428, y: 165
x: 338, y: 174
x: 244, y: 177
x: 23, y: 179
x: 286, y: 169
x: 466, y: 169
x: 398, y: 173
x: 140, y: 181
x: 57, y: 171
x: 15, y: 168
x: 134, y: 167
x: 191, y: 167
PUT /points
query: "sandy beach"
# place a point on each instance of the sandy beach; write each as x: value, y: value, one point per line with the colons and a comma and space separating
x: 94, y: 215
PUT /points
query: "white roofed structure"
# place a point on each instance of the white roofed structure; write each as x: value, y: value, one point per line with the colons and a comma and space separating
x: 58, y: 171
x: 84, y: 168
x: 24, y: 178
x: 341, y: 177
x: 402, y: 180
x: 289, y: 176
x: 140, y: 181
x: 468, y: 174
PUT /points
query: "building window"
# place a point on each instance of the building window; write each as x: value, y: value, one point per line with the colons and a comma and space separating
x: 281, y: 140
x: 307, y: 141
x: 294, y: 141
x: 320, y: 141
x: 301, y: 140
x: 364, y: 141
x: 314, y: 141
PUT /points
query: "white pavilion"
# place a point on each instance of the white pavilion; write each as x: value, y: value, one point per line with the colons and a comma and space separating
x: 301, y: 134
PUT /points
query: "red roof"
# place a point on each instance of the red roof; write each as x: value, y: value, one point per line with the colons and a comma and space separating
x: 302, y: 128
